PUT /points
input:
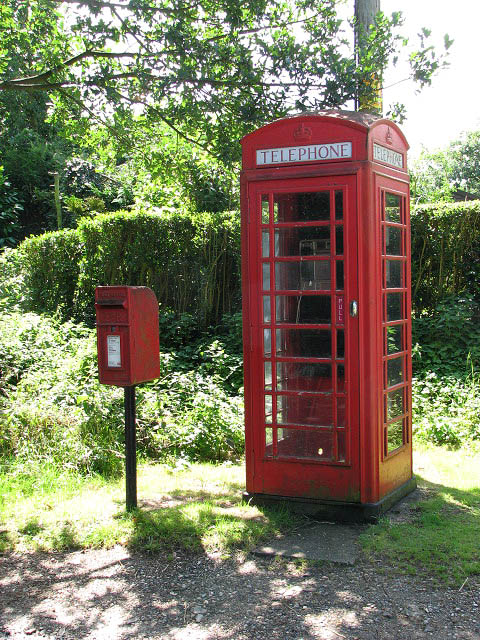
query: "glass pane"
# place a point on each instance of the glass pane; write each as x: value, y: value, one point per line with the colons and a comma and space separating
x: 341, y: 446
x: 268, y: 442
x: 339, y: 240
x: 265, y: 210
x: 392, y: 208
x: 267, y: 311
x: 314, y: 445
x: 394, y: 436
x: 305, y: 376
x: 338, y: 205
x: 304, y: 343
x: 312, y: 411
x: 302, y: 207
x: 268, y: 375
x: 303, y: 309
x: 394, y: 336
x: 302, y: 241
x: 265, y: 244
x: 266, y: 276
x: 341, y: 405
x: 340, y: 343
x: 394, y: 274
x: 268, y: 409
x: 340, y: 378
x: 275, y: 211
x: 307, y: 275
x: 340, y: 283
x: 393, y: 241
x: 394, y: 404
x: 267, y: 342
x: 394, y: 306
x: 394, y: 372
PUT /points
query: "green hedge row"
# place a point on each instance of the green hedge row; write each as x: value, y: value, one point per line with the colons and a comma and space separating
x: 192, y: 262
x: 445, y: 252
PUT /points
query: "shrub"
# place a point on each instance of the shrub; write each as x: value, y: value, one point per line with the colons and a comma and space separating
x: 10, y: 209
x: 446, y: 386
x: 51, y: 270
x: 53, y: 409
x: 446, y: 410
x: 11, y: 279
x: 445, y: 252
x: 190, y: 261
x: 448, y: 340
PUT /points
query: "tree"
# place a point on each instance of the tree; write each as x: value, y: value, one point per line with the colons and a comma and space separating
x: 441, y: 174
x: 210, y: 69
x: 369, y: 94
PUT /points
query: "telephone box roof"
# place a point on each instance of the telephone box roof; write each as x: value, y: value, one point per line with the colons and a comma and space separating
x: 354, y: 119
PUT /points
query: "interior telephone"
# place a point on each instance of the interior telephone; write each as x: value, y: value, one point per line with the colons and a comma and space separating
x: 314, y: 274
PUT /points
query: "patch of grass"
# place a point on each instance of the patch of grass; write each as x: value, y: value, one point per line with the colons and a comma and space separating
x: 442, y: 537
x: 196, y: 508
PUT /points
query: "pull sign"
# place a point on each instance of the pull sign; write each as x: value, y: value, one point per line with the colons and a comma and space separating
x: 340, y: 310
x: 114, y: 358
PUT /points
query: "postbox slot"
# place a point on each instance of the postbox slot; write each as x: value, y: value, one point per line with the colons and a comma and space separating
x: 111, y: 303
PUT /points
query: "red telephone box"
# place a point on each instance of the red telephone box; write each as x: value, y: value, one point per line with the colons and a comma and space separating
x: 326, y: 309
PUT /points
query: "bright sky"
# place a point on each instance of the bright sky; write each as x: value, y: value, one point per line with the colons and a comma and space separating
x: 440, y: 113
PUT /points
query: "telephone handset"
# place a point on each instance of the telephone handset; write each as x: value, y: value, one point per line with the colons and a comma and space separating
x: 314, y: 274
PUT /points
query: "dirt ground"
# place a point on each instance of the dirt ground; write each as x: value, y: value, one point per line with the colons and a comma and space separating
x: 116, y: 595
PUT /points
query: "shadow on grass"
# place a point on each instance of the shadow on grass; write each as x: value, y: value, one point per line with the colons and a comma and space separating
x: 439, y: 535
x: 205, y: 525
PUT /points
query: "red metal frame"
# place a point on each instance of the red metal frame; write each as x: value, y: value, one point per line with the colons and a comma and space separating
x: 376, y: 166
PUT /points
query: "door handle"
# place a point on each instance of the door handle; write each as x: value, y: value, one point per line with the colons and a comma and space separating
x: 354, y: 308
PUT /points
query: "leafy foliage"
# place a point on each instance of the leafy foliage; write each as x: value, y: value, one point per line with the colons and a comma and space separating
x: 446, y: 398
x: 190, y: 261
x: 10, y: 208
x: 438, y: 175
x: 445, y: 252
x: 134, y: 64
x: 53, y: 409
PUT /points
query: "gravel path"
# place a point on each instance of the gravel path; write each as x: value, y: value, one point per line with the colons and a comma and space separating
x: 115, y: 595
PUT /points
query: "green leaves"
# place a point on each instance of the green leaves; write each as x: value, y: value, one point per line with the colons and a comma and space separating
x: 212, y: 70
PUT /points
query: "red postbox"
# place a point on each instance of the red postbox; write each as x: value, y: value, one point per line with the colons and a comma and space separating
x: 326, y: 307
x: 127, y: 335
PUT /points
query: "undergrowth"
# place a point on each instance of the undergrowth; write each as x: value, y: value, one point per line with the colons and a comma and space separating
x: 53, y: 409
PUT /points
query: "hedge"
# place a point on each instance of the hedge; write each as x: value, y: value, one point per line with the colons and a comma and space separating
x: 445, y: 252
x: 192, y: 262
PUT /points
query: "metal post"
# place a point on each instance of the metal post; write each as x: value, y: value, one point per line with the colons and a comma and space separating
x: 130, y: 449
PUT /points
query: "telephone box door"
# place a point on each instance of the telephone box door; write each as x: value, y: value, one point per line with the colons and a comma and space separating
x: 303, y: 427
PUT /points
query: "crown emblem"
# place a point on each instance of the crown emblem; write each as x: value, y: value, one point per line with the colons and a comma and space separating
x: 388, y: 137
x: 303, y: 133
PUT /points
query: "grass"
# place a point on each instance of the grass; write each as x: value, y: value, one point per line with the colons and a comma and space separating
x: 198, y: 508
x: 194, y: 508
x: 442, y: 538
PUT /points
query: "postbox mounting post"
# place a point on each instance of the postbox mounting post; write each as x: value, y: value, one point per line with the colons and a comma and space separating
x: 130, y: 448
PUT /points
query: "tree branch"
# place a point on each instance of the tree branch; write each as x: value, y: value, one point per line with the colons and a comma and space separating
x: 92, y: 113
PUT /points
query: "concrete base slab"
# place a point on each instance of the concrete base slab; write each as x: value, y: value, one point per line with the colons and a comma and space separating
x: 317, y: 542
